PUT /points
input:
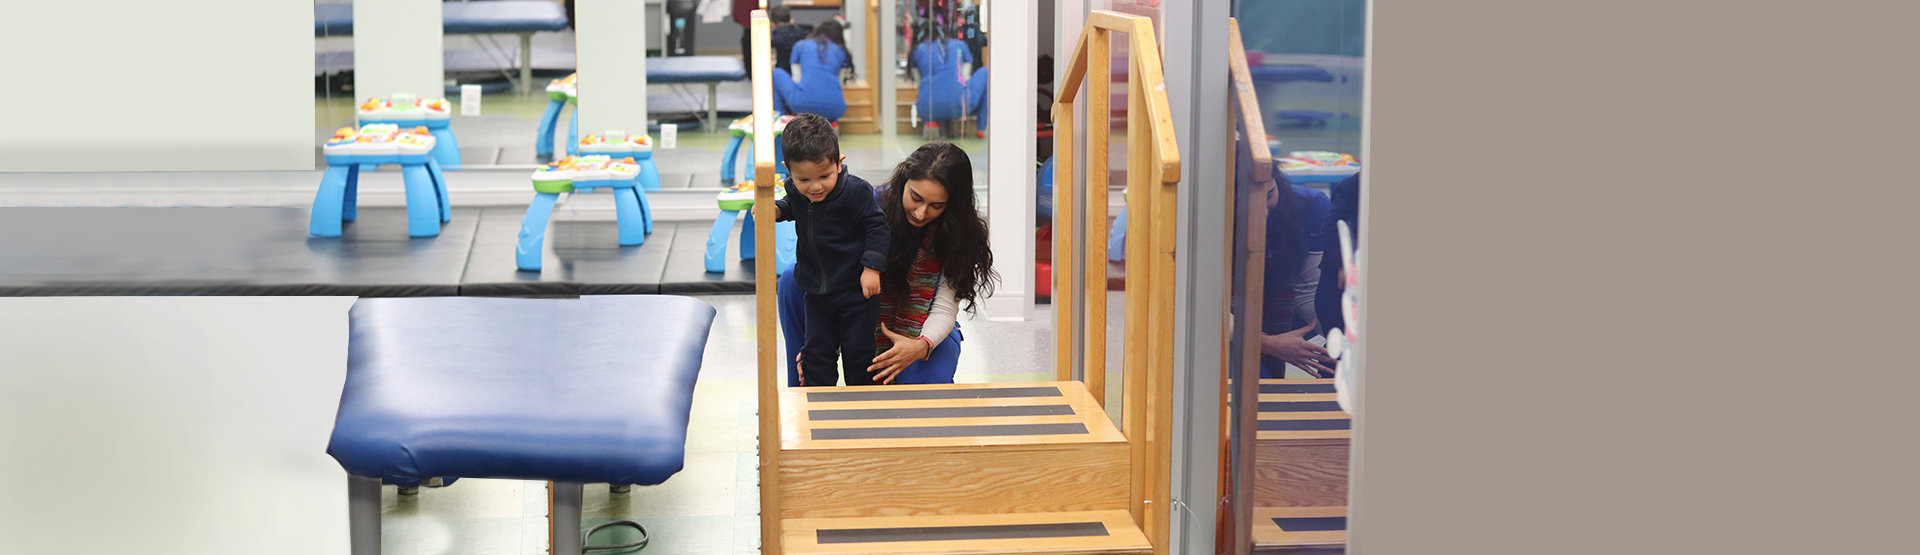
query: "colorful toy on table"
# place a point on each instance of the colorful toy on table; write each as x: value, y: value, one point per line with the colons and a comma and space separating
x: 734, y: 201
x: 619, y: 144
x: 405, y: 110
x: 560, y: 93
x: 580, y: 174
x: 1317, y: 166
x: 742, y: 131
x: 351, y: 150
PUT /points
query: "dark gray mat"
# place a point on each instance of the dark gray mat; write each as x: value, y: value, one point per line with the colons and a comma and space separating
x: 579, y: 258
x: 225, y: 251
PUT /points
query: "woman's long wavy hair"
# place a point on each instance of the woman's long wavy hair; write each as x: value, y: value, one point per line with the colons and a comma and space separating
x: 959, y: 234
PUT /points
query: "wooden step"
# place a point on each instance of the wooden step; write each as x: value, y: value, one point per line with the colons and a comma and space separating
x: 1300, y: 530
x: 916, y: 450
x: 1078, y: 532
x: 1301, y: 457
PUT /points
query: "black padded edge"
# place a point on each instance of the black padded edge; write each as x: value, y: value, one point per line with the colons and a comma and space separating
x: 1297, y: 388
x: 1312, y: 524
x: 953, y: 533
x: 883, y: 394
x: 939, y: 412
x: 1300, y: 425
x: 950, y: 431
x: 1299, y: 406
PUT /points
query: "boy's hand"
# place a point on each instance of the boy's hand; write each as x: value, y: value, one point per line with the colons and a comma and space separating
x: 869, y: 282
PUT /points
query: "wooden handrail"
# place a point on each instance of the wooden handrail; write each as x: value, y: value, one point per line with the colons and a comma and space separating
x: 763, y: 215
x: 1246, y: 400
x: 1146, y: 56
x: 1147, y: 372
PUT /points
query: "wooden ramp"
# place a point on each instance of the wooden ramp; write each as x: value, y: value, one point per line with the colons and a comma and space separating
x: 1300, y: 469
x: 992, y: 468
x: 970, y: 468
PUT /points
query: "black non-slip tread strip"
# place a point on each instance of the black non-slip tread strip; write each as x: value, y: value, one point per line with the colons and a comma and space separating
x: 1299, y: 406
x: 883, y: 394
x: 956, y: 533
x: 950, y: 431
x: 1296, y: 388
x: 939, y: 412
x: 1301, y: 425
x: 1311, y: 524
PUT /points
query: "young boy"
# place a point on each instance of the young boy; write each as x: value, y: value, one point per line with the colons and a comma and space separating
x: 843, y: 244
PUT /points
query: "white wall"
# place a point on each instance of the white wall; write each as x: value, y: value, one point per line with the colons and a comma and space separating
x: 126, y: 85
x: 183, y: 425
x: 610, y: 40
x: 397, y: 48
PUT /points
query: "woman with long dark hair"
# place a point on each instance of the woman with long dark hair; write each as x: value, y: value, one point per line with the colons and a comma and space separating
x: 819, y: 60
x: 937, y: 265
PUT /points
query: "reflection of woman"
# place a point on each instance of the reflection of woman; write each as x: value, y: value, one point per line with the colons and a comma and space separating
x: 1294, y: 246
x: 938, y: 259
x: 819, y: 59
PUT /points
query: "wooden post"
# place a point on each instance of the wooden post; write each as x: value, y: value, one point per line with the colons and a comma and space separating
x: 1139, y: 343
x: 1066, y: 238
x: 1247, y: 398
x: 1099, y: 127
x: 1067, y: 235
x: 763, y: 267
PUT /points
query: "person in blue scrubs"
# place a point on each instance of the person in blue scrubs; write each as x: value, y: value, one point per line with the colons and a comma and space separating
x: 819, y: 59
x: 946, y: 93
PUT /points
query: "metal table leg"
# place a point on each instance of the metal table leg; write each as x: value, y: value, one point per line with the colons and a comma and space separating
x: 526, y: 63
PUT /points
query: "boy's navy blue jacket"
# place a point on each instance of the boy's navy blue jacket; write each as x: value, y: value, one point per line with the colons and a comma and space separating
x: 839, y: 235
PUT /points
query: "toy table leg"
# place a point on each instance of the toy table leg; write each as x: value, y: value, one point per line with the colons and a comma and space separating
x: 350, y: 205
x: 324, y: 220
x: 573, y: 132
x: 543, y: 142
x: 728, y: 158
x: 779, y: 160
x: 646, y: 210
x: 649, y: 174
x: 785, y: 240
x: 626, y: 210
x: 1117, y: 238
x: 747, y: 170
x: 423, y: 202
x: 440, y: 187
x: 747, y: 237
x: 446, y: 149
x: 717, y: 240
x: 533, y: 231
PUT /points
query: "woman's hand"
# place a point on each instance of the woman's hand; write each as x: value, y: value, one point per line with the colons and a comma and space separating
x: 905, y: 351
x: 1293, y: 348
x: 869, y: 282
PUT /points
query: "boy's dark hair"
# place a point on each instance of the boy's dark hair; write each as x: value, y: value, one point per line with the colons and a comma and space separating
x: 809, y: 138
x: 780, y: 14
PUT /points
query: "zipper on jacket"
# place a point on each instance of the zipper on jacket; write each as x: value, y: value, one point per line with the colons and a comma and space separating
x: 813, y: 246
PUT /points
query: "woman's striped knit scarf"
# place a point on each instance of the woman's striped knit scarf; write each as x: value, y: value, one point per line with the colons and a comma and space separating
x: 906, y: 318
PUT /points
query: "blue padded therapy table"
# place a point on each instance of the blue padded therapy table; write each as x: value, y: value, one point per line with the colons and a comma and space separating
x: 507, y: 17
x: 572, y: 391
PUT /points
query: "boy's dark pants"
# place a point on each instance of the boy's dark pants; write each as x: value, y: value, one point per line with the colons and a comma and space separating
x: 842, y: 322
